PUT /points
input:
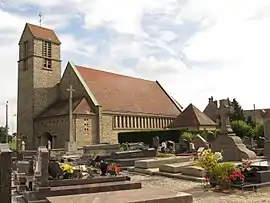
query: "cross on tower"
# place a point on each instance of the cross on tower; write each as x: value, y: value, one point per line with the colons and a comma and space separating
x: 70, y: 90
x: 40, y: 18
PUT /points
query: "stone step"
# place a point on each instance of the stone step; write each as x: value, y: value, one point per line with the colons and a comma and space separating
x: 157, y: 162
x: 80, y: 189
x: 180, y: 176
x: 129, y: 196
x: 174, y: 168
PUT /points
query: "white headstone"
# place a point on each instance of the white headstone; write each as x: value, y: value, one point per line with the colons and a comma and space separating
x: 23, y: 145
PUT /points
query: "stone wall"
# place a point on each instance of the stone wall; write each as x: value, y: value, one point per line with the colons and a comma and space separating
x: 86, y: 130
x: 57, y: 126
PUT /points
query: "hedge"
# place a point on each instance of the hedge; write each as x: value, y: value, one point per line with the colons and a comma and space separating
x: 147, y: 136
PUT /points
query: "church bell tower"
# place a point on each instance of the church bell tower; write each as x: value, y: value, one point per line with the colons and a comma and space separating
x: 39, y: 72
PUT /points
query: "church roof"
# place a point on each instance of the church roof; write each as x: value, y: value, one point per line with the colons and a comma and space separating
x: 43, y: 33
x: 192, y: 116
x: 120, y: 93
x: 60, y: 108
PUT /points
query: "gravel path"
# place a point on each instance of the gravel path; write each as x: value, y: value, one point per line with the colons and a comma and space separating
x: 199, y: 194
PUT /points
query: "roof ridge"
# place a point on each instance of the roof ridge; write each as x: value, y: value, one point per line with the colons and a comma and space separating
x: 30, y: 24
x: 200, y: 114
x: 108, y: 72
x: 195, y: 111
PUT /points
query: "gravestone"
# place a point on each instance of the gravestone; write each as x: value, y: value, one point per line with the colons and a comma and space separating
x: 5, y: 173
x: 199, y: 141
x: 231, y: 146
x: 156, y: 142
x: 42, y: 172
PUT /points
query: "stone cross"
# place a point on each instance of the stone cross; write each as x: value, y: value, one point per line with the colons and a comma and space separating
x: 5, y: 173
x: 23, y: 146
x: 225, y: 111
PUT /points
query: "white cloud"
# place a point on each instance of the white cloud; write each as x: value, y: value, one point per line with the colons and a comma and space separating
x: 231, y: 39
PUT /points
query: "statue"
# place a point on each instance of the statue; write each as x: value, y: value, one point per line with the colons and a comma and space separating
x: 49, y: 145
x: 225, y: 110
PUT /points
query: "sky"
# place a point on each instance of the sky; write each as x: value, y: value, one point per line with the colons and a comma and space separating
x: 196, y: 49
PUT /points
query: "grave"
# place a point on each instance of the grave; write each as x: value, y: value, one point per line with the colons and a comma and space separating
x: 5, y: 173
x: 199, y: 141
x: 128, y: 158
x: 232, y: 146
x: 131, y: 196
x: 101, y: 149
x: 43, y: 187
x: 151, y: 166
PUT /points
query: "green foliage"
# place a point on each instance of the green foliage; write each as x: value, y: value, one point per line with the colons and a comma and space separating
x: 188, y: 136
x: 210, y: 136
x: 242, y: 129
x: 238, y: 114
x: 164, y: 155
x: 221, y: 172
x: 3, y: 134
x: 259, y: 130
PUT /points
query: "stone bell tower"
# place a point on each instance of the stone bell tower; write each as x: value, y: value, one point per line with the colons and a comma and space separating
x: 39, y: 72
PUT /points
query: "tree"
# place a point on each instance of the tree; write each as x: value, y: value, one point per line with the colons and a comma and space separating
x: 3, y: 134
x: 259, y: 130
x: 242, y: 129
x: 238, y: 114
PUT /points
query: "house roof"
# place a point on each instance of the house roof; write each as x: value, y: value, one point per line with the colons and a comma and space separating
x: 192, y: 116
x: 43, y: 33
x: 119, y: 93
x: 60, y: 108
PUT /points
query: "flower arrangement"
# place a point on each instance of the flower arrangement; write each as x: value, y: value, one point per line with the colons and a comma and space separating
x: 237, y: 177
x: 246, y: 168
x: 208, y: 160
x: 113, y: 170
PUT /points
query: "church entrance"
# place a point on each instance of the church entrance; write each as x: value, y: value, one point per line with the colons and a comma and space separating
x: 45, y: 138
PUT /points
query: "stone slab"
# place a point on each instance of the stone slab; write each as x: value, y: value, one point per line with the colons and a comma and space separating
x: 56, y: 183
x: 148, y: 171
x: 195, y: 171
x: 180, y: 176
x: 80, y: 189
x: 174, y: 168
x: 126, y: 162
x: 145, y: 195
x: 135, y: 153
x: 157, y: 162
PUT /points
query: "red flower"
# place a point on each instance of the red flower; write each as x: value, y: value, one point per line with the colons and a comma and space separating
x: 237, y: 175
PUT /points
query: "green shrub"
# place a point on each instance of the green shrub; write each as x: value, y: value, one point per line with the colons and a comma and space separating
x: 221, y: 172
x: 165, y: 155
x: 242, y: 129
x: 188, y: 136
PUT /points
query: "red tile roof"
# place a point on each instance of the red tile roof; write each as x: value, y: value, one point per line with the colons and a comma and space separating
x: 60, y: 108
x: 191, y: 117
x: 119, y: 93
x: 43, y: 33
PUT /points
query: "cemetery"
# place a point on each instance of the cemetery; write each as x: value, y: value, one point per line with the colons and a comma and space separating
x: 104, y: 171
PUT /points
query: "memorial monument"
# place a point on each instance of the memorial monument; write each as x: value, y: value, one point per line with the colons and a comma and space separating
x: 231, y: 146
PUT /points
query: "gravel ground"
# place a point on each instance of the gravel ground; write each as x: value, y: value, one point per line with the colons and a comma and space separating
x: 199, y: 194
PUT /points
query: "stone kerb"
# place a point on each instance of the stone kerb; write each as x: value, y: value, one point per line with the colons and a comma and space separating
x: 5, y: 173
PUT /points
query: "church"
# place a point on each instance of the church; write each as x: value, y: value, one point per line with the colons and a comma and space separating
x: 84, y: 106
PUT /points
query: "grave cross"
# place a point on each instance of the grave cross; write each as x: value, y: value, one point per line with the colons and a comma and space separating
x: 224, y: 111
x: 70, y: 90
